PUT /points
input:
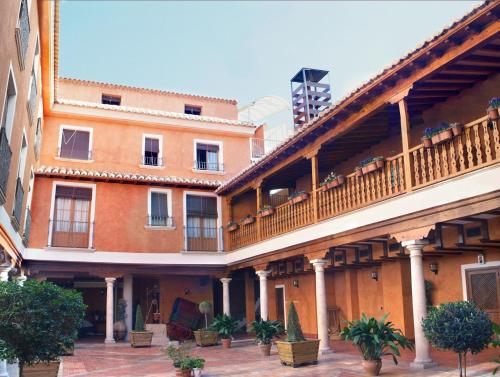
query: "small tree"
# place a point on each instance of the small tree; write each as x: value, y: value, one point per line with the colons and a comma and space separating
x: 459, y: 327
x: 293, y: 329
x: 205, y: 308
x: 38, y: 321
x: 139, y: 322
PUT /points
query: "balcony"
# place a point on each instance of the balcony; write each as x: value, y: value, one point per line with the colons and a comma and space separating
x: 160, y: 221
x: 260, y: 147
x: 208, y: 166
x: 5, y: 157
x: 15, y: 219
x: 153, y: 161
x: 73, y: 234
x: 201, y: 238
x: 477, y: 146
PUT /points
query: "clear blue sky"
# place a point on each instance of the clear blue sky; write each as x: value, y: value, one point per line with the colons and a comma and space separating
x: 242, y: 50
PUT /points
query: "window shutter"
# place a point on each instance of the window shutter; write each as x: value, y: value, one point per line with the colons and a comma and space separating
x: 73, y: 192
x: 75, y: 144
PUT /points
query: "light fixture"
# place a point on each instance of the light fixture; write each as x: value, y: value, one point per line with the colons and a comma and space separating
x: 186, y: 291
x: 374, y: 275
x: 481, y: 258
x: 296, y: 283
x: 434, y: 267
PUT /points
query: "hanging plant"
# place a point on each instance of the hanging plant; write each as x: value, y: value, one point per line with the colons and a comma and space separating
x: 332, y: 180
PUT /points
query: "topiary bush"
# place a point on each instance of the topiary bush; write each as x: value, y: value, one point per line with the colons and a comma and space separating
x: 293, y: 329
x: 38, y: 321
x: 139, y: 322
x: 460, y: 327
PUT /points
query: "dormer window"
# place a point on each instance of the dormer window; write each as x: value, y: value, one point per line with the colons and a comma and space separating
x: 192, y: 110
x: 107, y: 99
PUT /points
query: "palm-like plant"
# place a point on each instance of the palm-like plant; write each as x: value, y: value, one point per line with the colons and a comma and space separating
x: 224, y: 325
x: 375, y: 338
x: 265, y: 331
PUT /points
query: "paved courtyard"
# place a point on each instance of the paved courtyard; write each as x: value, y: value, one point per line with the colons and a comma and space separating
x: 244, y: 359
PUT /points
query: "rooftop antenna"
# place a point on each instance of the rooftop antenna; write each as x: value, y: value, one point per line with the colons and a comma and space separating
x: 310, y: 94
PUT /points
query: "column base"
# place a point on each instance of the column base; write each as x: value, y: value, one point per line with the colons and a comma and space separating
x: 109, y: 341
x: 326, y: 351
x: 425, y: 364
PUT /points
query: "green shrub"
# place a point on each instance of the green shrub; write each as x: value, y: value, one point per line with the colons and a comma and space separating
x: 459, y: 327
x: 139, y: 322
x: 293, y: 329
x: 224, y: 325
x: 375, y: 338
x: 38, y: 321
x: 265, y: 331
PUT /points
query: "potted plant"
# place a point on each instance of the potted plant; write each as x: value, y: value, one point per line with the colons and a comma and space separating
x: 248, y: 219
x: 426, y: 139
x: 198, y: 364
x: 296, y: 350
x: 186, y: 366
x: 265, y: 331
x: 441, y: 133
x: 119, y: 327
x: 205, y: 337
x: 456, y: 128
x: 332, y: 180
x: 140, y: 337
x: 374, y: 339
x: 298, y: 197
x: 371, y: 164
x: 266, y: 210
x: 460, y: 327
x: 177, y: 354
x: 232, y: 226
x: 225, y: 327
x: 493, y: 108
x: 38, y: 322
x: 358, y: 171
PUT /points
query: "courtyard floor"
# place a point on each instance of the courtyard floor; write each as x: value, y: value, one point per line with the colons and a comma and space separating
x: 243, y: 359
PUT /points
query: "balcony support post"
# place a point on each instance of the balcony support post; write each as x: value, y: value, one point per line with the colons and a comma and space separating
x: 313, y: 156
x: 405, y: 139
x: 258, y: 193
x: 321, y: 306
x: 264, y: 310
x: 226, y: 306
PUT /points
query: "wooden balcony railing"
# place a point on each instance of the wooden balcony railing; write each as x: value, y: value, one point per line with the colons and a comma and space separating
x: 476, y: 147
x: 74, y: 234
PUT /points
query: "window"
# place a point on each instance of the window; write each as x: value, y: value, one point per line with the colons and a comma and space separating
x: 208, y: 156
x: 160, y: 208
x: 22, y: 32
x: 38, y: 138
x: 201, y: 222
x: 32, y: 96
x: 18, y: 198
x: 70, y: 225
x: 22, y: 158
x: 152, y: 150
x: 9, y: 106
x: 107, y: 99
x: 75, y: 143
x: 192, y: 110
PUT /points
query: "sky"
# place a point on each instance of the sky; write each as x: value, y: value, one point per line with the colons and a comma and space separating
x: 243, y: 50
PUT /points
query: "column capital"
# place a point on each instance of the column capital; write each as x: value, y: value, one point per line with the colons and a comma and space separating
x: 4, y: 272
x: 110, y: 281
x: 21, y: 279
x: 225, y: 280
x: 415, y: 246
x: 319, y: 264
x: 263, y: 274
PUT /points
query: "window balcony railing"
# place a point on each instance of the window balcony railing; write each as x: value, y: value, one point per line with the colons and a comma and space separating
x: 5, y: 157
x: 75, y: 155
x: 18, y: 204
x: 27, y: 227
x: 201, y: 239
x: 160, y: 221
x: 261, y: 147
x: 477, y: 146
x: 74, y: 234
x: 22, y: 32
x: 152, y: 161
x: 208, y: 166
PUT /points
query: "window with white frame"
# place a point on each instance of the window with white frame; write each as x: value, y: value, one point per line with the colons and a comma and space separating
x: 152, y: 150
x: 201, y: 222
x: 160, y: 208
x: 9, y: 106
x: 32, y: 91
x: 192, y: 110
x: 208, y: 156
x: 75, y: 143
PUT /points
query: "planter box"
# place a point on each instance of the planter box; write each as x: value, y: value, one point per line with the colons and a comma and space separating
x: 298, y: 353
x: 248, y: 220
x: 427, y: 142
x: 441, y: 137
x: 41, y: 370
x: 141, y: 338
x: 232, y: 227
x: 335, y: 183
x: 267, y: 212
x: 299, y: 198
x: 205, y: 338
x: 359, y: 172
x: 372, y: 166
x: 493, y: 114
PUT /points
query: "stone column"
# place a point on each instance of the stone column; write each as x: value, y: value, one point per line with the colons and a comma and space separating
x: 110, y: 315
x: 21, y: 279
x: 321, y: 307
x: 128, y: 286
x: 226, y: 308
x: 422, y: 357
x: 4, y: 276
x: 264, y: 310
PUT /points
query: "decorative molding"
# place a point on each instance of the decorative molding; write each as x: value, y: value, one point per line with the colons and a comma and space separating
x: 414, y: 234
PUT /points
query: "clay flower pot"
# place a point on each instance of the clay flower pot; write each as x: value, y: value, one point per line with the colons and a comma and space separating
x: 265, y: 349
x: 226, y: 343
x: 456, y: 129
x: 267, y: 212
x: 358, y: 171
x: 442, y: 136
x: 374, y: 165
x: 186, y: 372
x: 232, y: 227
x: 427, y: 142
x: 335, y: 183
x: 248, y: 220
x: 299, y: 198
x: 372, y: 367
x: 493, y: 113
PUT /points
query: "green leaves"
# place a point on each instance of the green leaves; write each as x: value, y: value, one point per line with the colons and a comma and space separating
x: 293, y: 329
x: 139, y: 321
x: 224, y: 325
x: 375, y: 338
x: 265, y: 331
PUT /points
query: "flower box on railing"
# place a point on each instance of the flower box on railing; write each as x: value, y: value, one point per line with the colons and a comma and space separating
x: 441, y: 134
x: 247, y: 220
x: 369, y: 165
x: 493, y: 109
x: 298, y: 197
x: 266, y: 211
x: 231, y: 227
x: 332, y: 182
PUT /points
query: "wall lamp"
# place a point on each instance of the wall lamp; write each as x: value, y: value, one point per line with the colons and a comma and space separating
x: 374, y: 275
x: 434, y: 267
x: 295, y: 283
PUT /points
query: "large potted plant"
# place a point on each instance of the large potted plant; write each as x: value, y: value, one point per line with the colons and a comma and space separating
x: 460, y: 327
x: 205, y: 337
x: 225, y: 327
x: 296, y: 350
x: 119, y: 327
x: 265, y: 331
x: 374, y: 339
x: 140, y: 337
x: 38, y: 322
